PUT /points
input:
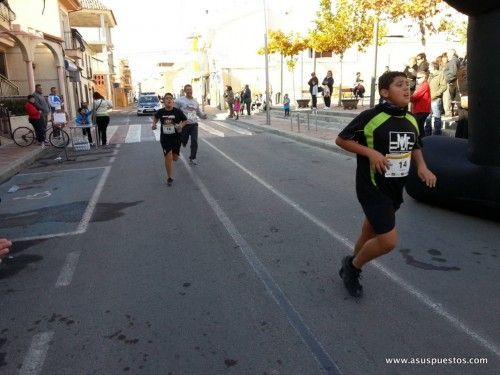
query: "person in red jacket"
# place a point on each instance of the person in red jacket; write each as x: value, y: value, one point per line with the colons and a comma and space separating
x: 421, y: 101
x: 35, y: 119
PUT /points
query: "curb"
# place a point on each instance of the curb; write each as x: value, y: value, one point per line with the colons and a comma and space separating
x: 296, y: 137
x: 17, y: 165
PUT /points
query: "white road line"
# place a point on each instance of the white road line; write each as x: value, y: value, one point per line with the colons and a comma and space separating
x: 87, y: 215
x: 233, y: 128
x: 157, y: 133
x: 436, y: 307
x: 294, y: 318
x: 68, y: 269
x: 34, y: 360
x: 111, y: 130
x: 82, y: 227
x: 115, y: 152
x: 210, y: 130
x: 133, y: 134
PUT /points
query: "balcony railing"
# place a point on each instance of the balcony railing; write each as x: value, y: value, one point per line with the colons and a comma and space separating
x: 6, y: 14
x: 7, y: 88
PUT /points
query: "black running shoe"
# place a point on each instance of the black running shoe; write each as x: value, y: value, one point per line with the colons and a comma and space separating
x: 350, y: 275
x: 170, y: 181
x: 192, y: 162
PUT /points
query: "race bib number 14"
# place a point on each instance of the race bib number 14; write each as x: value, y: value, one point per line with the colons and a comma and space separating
x: 399, y: 165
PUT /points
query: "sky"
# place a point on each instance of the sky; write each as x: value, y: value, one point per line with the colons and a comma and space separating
x: 158, y: 30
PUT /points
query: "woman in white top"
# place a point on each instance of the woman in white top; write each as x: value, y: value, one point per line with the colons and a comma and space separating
x: 101, y: 109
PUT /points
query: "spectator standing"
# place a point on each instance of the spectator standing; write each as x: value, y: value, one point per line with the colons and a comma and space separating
x: 313, y: 89
x: 83, y: 118
x: 328, y: 84
x: 411, y: 73
x: 54, y: 100
x: 462, y: 130
x: 237, y: 107
x: 101, y: 109
x: 438, y: 86
x: 42, y: 104
x: 421, y: 100
x: 229, y: 97
x: 36, y: 120
x: 450, y: 73
x: 286, y: 105
x: 422, y: 63
x: 246, y: 98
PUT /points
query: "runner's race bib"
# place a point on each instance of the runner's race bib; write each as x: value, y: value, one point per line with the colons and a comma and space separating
x: 168, y: 124
x: 191, y: 115
x: 168, y: 129
x: 399, y: 165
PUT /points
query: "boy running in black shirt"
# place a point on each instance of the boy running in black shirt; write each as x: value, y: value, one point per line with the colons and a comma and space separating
x: 172, y: 121
x: 385, y: 139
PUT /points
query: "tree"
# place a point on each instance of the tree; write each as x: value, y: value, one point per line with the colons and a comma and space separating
x: 340, y: 28
x: 430, y: 15
x: 288, y: 45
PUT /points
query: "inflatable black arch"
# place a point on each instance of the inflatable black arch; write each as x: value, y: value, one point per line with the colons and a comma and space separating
x: 469, y: 171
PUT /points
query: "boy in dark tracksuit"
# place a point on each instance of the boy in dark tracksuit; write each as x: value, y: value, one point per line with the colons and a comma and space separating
x: 385, y: 139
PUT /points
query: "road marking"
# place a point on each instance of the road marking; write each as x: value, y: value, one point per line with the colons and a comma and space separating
x: 133, y: 134
x: 87, y: 215
x: 41, y: 195
x: 84, y: 223
x: 68, y: 269
x: 111, y: 130
x: 294, y: 318
x: 156, y: 132
x: 233, y: 128
x: 419, y: 295
x: 34, y: 360
x: 209, y: 129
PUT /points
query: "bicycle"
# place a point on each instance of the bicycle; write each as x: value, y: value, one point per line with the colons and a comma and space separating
x: 25, y: 136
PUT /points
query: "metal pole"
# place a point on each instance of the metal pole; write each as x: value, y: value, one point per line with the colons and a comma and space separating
x: 291, y: 122
x: 281, y: 86
x: 268, y: 113
x: 308, y: 128
x: 298, y: 122
x: 374, y: 76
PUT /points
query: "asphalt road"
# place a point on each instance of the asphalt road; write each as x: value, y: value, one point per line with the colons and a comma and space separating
x: 233, y: 269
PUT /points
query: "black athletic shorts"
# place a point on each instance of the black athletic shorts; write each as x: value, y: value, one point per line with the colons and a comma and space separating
x: 171, y: 144
x: 379, y: 208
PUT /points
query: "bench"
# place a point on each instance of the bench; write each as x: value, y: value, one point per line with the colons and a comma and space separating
x: 347, y: 98
x: 303, y: 103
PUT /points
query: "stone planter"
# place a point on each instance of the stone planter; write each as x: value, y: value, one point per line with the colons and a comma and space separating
x: 303, y: 103
x: 350, y: 103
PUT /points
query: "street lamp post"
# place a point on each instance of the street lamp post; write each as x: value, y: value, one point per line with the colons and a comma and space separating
x: 268, y: 114
x: 374, y: 76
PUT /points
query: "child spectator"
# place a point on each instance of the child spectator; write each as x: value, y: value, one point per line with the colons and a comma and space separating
x: 421, y: 101
x: 83, y: 118
x: 286, y: 105
x: 237, y: 107
x: 384, y: 138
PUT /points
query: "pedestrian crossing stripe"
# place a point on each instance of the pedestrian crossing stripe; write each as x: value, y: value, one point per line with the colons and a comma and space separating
x: 135, y: 133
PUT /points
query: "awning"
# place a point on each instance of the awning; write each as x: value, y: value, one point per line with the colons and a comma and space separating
x: 70, y: 66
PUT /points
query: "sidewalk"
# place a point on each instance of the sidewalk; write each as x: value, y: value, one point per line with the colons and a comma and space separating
x: 14, y: 158
x: 320, y: 136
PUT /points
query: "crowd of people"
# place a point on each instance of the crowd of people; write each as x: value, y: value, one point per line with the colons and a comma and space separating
x: 436, y: 91
x: 238, y: 101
